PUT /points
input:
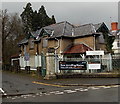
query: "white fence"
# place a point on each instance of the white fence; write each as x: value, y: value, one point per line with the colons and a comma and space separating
x: 33, y: 62
x: 104, y: 62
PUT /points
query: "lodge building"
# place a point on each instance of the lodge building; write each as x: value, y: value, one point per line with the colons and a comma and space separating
x: 62, y: 39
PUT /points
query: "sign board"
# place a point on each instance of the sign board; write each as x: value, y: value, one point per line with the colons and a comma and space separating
x: 72, y: 65
x: 94, y: 52
x: 26, y: 57
x: 94, y: 66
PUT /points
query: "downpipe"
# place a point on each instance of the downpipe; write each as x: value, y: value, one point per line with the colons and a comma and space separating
x: 58, y: 41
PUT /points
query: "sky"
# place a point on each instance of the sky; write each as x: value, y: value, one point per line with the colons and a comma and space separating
x: 77, y: 13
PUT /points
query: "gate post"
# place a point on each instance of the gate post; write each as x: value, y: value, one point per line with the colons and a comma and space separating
x: 50, y: 66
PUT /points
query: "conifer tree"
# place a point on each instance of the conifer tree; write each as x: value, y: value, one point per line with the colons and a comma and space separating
x: 43, y: 17
x: 34, y: 20
x: 27, y: 16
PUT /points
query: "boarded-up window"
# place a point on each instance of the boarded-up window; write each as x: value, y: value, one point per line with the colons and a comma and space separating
x: 31, y: 44
x: 25, y: 49
x: 51, y: 50
x: 32, y: 61
x: 45, y: 43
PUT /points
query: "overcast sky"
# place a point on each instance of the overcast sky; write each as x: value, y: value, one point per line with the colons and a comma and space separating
x: 74, y: 12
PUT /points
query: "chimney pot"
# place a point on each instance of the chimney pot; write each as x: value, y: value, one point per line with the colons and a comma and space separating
x: 114, y: 26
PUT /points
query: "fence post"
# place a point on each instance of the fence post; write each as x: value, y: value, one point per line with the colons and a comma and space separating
x: 110, y: 58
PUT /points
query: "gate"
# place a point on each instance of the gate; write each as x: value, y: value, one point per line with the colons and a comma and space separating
x: 43, y: 65
x: 116, y: 62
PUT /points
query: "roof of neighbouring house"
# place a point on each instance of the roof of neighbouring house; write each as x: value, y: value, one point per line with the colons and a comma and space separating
x: 115, y: 33
x: 77, y: 48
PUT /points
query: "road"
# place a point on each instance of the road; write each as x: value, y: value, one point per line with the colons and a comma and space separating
x: 20, y: 88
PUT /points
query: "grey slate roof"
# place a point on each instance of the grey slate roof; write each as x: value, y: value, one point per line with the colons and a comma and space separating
x: 84, y: 30
x: 23, y: 41
x: 66, y: 29
x: 60, y: 29
x: 97, y: 26
x: 36, y: 33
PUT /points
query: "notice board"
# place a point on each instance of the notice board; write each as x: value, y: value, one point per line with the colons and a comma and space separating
x: 72, y: 65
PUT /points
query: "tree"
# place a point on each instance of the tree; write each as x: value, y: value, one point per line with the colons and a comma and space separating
x: 11, y: 34
x: 109, y: 42
x: 34, y: 20
x: 108, y: 39
x: 27, y: 16
x: 43, y: 17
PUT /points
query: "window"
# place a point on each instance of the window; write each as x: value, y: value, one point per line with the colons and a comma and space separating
x: 118, y: 44
x: 45, y: 43
x: 31, y: 44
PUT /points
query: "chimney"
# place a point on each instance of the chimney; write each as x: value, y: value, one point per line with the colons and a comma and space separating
x: 114, y: 26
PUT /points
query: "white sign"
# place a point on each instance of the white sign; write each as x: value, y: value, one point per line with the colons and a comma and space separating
x: 94, y: 66
x: 26, y: 57
x: 94, y: 52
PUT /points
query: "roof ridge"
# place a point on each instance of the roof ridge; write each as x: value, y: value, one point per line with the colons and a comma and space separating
x: 60, y: 22
x: 98, y: 23
x: 54, y: 24
x: 93, y: 28
x: 82, y: 25
x: 64, y: 28
x: 88, y: 24
x: 73, y: 24
x: 70, y: 23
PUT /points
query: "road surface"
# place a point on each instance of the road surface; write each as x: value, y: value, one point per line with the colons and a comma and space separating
x: 20, y: 88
